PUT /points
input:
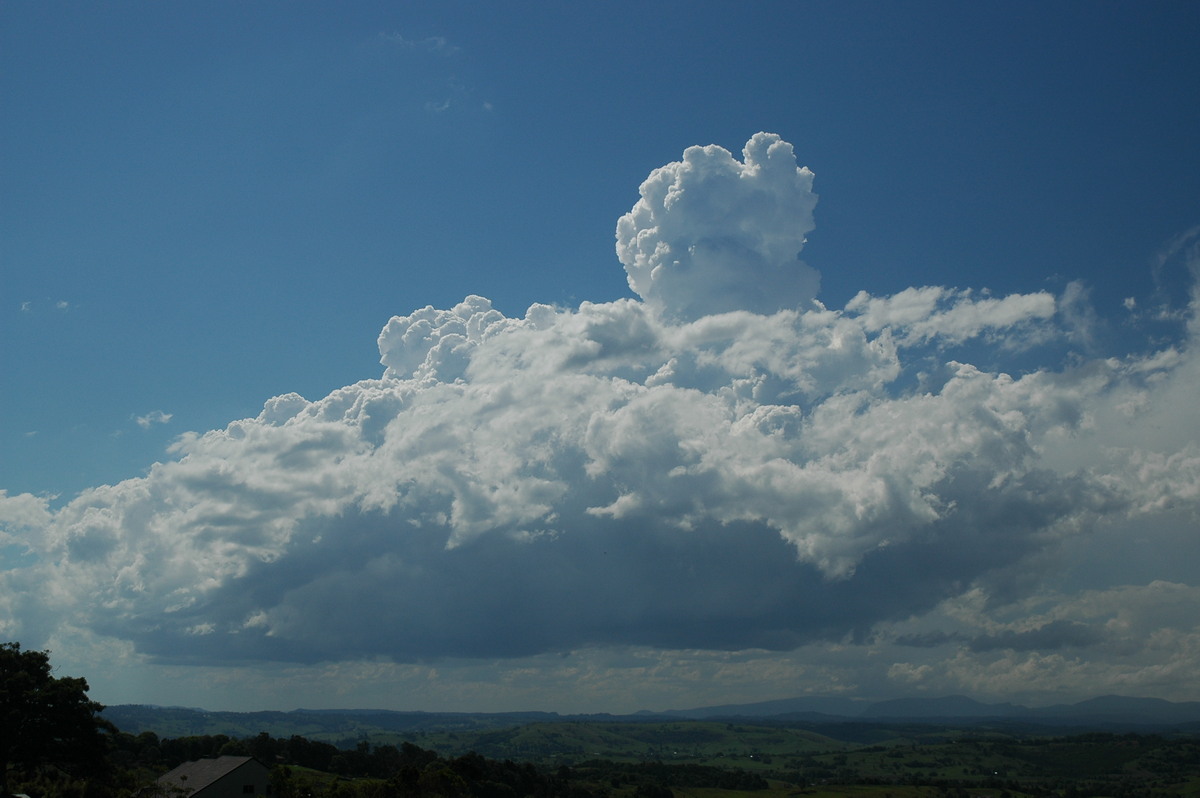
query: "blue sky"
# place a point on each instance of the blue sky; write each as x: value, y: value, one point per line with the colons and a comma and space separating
x: 207, y: 206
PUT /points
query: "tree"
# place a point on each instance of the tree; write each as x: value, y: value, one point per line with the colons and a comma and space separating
x: 46, y: 721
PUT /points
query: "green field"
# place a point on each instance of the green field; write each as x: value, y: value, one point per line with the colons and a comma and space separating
x: 709, y: 743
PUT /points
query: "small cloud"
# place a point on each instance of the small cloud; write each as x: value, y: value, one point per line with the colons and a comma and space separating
x: 458, y: 97
x: 907, y: 672
x: 430, y: 44
x: 1047, y: 637
x: 256, y: 621
x: 26, y: 306
x: 1077, y: 313
x: 152, y: 418
x: 62, y: 304
x: 928, y: 639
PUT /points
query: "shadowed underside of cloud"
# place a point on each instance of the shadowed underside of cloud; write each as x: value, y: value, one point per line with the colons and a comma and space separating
x: 726, y: 464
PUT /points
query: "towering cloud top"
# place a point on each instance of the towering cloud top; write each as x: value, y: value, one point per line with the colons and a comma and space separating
x: 711, y: 235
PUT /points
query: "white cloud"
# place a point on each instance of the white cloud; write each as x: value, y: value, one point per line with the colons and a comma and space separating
x: 713, y: 234
x: 953, y: 316
x: 23, y: 511
x: 715, y: 468
x: 152, y: 418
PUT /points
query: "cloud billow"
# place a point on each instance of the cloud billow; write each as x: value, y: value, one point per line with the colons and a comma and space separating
x: 712, y: 234
x: 725, y: 464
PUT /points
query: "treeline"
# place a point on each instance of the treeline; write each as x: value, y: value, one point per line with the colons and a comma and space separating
x: 303, y: 768
x: 146, y: 750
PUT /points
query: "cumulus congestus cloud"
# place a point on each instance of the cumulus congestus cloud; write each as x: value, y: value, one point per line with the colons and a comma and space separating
x: 712, y: 234
x: 724, y: 464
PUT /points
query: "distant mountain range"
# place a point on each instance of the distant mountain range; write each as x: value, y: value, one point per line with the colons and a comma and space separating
x: 1108, y: 713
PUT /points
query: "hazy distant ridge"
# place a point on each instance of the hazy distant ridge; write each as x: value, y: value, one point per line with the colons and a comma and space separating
x: 334, y: 724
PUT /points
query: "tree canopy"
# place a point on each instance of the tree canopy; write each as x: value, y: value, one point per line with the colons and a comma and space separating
x: 46, y: 721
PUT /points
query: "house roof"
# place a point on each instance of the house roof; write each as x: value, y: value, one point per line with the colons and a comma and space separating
x: 195, y: 776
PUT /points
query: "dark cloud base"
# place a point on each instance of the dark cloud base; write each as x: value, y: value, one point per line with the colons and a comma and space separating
x: 377, y: 586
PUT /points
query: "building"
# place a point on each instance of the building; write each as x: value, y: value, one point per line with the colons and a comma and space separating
x: 223, y: 777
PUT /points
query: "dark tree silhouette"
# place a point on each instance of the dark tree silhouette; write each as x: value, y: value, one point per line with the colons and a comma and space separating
x: 46, y: 721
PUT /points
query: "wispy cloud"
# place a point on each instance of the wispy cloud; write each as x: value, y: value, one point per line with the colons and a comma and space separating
x: 437, y: 45
x: 152, y: 418
x: 446, y: 92
x: 60, y: 305
x: 1049, y: 636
